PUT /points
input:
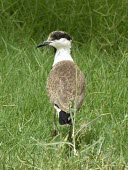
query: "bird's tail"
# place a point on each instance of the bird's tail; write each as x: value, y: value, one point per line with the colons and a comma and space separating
x: 64, y: 118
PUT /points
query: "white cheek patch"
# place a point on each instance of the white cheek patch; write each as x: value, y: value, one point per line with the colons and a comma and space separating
x: 61, y: 43
x: 64, y: 42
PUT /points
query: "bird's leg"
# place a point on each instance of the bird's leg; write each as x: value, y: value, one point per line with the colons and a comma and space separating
x: 71, y: 128
x: 70, y: 133
x: 54, y: 124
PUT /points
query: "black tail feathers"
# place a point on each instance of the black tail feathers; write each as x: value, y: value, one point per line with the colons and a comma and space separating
x: 64, y: 118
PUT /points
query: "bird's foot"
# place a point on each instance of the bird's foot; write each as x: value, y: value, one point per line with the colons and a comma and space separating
x: 54, y: 133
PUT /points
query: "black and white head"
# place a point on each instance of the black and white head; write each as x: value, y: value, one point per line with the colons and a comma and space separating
x: 58, y: 40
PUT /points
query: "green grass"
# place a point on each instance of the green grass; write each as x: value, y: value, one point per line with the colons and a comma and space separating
x: 104, y: 21
x: 100, y: 33
x: 26, y: 115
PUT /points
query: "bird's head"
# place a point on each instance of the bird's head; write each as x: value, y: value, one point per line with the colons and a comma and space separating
x: 58, y: 40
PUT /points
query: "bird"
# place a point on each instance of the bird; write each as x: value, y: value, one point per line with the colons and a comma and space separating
x: 65, y: 84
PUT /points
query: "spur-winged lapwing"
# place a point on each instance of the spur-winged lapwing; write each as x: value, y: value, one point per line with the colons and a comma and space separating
x: 65, y: 83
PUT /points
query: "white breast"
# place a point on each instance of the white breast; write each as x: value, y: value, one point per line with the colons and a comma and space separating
x: 61, y: 55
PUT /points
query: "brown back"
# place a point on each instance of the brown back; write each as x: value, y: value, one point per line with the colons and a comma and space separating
x: 66, y: 85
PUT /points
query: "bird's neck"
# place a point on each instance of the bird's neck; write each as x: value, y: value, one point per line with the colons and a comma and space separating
x: 61, y: 55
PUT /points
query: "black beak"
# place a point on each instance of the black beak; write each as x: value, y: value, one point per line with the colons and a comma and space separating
x: 44, y: 43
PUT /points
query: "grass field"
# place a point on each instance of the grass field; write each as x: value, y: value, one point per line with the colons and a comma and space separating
x: 100, y: 34
x: 101, y: 127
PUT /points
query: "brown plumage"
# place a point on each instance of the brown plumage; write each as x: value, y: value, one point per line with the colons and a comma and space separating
x: 65, y: 85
